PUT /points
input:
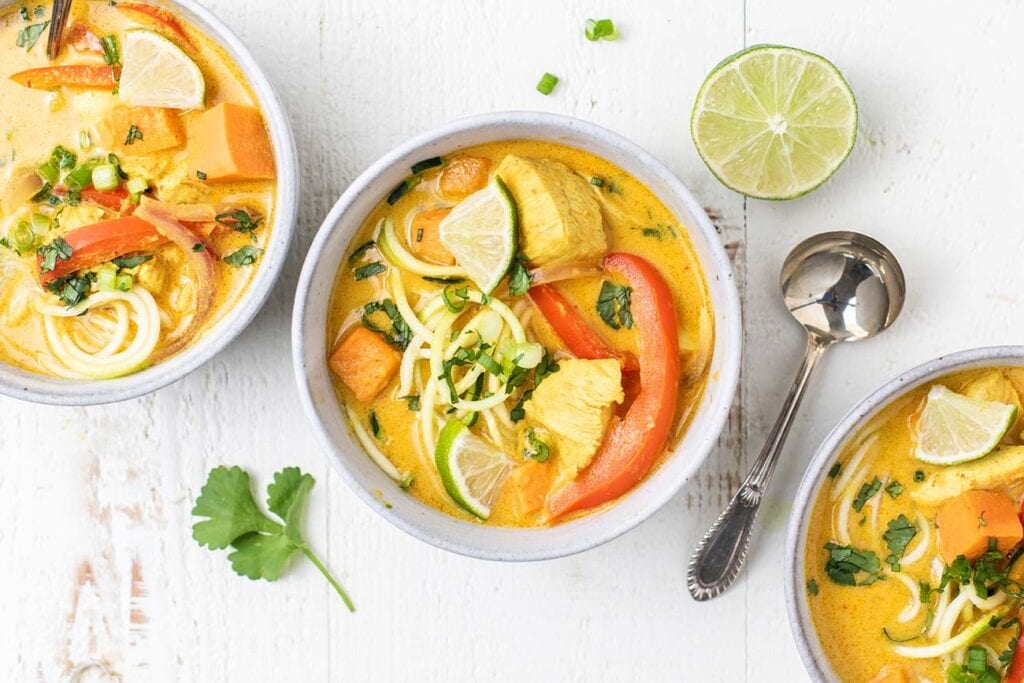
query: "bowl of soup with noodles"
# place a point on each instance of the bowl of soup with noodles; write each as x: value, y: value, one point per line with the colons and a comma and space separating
x: 516, y: 335
x: 147, y: 195
x: 905, y: 549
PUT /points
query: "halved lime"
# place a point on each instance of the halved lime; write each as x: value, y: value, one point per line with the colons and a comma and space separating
x: 157, y: 73
x: 774, y: 122
x: 954, y: 428
x: 472, y: 469
x: 481, y: 232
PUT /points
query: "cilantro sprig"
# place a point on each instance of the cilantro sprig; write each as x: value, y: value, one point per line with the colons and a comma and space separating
x: 262, y: 546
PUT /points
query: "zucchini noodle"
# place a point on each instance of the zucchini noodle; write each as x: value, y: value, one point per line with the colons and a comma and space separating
x: 109, y: 313
x: 845, y: 506
x: 922, y: 546
x: 949, y: 619
x: 848, y: 470
x: 913, y: 607
x: 402, y: 302
x: 375, y: 453
x: 876, y: 503
x: 399, y: 257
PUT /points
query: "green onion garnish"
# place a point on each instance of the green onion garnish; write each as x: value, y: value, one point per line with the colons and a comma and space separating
x: 426, y: 165
x: 400, y: 191
x: 600, y: 29
x: 547, y: 84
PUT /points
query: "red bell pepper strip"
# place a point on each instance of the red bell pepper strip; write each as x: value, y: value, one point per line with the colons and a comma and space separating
x: 98, y: 243
x: 158, y: 15
x: 1015, y: 674
x: 633, y: 444
x: 115, y: 201
x: 573, y: 330
x: 99, y: 77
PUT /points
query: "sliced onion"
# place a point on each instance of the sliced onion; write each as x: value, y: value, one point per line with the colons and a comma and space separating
x: 163, y: 217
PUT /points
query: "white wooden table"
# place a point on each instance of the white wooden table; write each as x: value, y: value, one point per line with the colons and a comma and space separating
x: 98, y: 564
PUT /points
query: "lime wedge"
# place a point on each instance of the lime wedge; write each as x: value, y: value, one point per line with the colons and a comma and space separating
x: 472, y: 469
x: 954, y: 428
x: 157, y: 73
x: 774, y: 122
x: 480, y: 232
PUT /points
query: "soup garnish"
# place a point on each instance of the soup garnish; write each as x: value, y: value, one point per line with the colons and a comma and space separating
x: 137, y: 190
x: 914, y: 546
x: 519, y: 333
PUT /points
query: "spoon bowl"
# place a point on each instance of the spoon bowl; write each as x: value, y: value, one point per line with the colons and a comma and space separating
x: 843, y: 286
x: 840, y: 286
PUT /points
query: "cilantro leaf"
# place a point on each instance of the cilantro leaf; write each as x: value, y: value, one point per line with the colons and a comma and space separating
x: 226, y: 500
x: 261, y: 556
x: 897, y: 537
x: 262, y: 546
x: 613, y: 305
x: 519, y: 278
x: 845, y: 562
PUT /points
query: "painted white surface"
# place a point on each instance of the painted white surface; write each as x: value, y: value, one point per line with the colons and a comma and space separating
x: 86, y: 495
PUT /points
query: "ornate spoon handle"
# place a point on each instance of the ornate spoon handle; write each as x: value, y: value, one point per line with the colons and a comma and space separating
x: 719, y: 557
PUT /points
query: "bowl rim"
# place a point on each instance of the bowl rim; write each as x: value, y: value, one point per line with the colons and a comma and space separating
x: 717, y: 266
x: 794, y: 578
x: 35, y: 387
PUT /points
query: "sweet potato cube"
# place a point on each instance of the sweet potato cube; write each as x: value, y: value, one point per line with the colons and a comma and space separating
x: 425, y: 238
x: 530, y: 483
x: 137, y: 131
x: 229, y: 142
x: 365, y: 363
x: 464, y: 175
x: 967, y: 523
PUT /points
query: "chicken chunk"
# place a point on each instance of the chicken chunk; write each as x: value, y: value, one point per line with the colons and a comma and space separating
x: 559, y: 217
x: 995, y: 386
x: 572, y: 408
x: 1001, y: 468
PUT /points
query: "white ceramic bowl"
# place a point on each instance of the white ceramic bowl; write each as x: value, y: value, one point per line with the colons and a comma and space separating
x: 309, y: 326
x: 42, y: 389
x: 800, y: 621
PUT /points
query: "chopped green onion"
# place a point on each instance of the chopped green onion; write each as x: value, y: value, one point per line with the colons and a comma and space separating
x: 105, y: 177
x: 597, y: 182
x: 40, y: 223
x: 426, y: 165
x: 79, y: 178
x: 21, y: 236
x: 547, y: 84
x: 84, y: 140
x: 49, y: 173
x: 106, y: 278
x: 125, y: 281
x: 402, y: 189
x: 136, y: 185
x: 457, y: 299
x: 600, y: 29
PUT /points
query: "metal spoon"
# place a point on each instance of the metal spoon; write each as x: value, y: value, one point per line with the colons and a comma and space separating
x: 841, y: 286
x: 58, y: 22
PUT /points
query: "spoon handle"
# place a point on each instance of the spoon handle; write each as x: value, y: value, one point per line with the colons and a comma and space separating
x: 718, y: 558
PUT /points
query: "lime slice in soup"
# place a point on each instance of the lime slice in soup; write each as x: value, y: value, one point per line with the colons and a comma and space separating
x: 774, y: 122
x: 480, y: 232
x: 157, y: 73
x: 954, y: 428
x: 472, y: 469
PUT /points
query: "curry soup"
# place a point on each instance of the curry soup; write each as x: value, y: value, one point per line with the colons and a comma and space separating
x: 912, y: 564
x: 137, y: 186
x: 520, y: 332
